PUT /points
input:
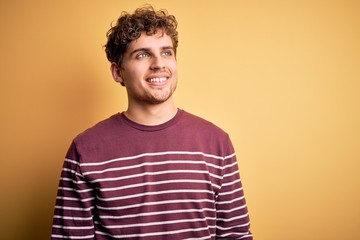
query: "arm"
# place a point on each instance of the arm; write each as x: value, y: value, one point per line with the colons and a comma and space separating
x: 232, y: 214
x: 73, y: 215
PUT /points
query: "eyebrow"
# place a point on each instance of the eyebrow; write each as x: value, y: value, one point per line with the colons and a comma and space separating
x: 149, y: 49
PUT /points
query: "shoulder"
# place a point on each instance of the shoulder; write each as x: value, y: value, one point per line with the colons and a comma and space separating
x: 200, y: 124
x: 100, y: 130
x: 205, y: 135
x: 99, y: 141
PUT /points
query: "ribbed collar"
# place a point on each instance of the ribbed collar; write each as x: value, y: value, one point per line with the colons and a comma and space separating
x: 153, y: 128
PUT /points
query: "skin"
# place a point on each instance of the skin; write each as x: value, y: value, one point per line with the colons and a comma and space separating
x: 149, y: 74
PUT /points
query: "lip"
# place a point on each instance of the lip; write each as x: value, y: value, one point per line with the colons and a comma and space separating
x: 157, y: 79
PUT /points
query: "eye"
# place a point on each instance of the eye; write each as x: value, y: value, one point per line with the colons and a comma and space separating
x: 167, y: 53
x: 142, y: 55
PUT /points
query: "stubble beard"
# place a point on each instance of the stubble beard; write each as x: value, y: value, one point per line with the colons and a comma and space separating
x: 155, y: 96
x: 159, y: 96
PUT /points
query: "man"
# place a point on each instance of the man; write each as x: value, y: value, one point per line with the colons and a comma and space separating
x: 153, y: 171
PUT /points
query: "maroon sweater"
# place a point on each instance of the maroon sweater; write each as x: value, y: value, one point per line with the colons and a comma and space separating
x: 178, y: 180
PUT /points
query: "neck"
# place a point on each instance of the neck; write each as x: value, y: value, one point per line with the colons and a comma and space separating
x: 151, y: 115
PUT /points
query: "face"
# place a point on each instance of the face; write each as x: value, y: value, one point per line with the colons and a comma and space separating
x: 149, y: 69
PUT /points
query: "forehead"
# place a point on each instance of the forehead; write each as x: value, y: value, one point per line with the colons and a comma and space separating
x: 158, y: 40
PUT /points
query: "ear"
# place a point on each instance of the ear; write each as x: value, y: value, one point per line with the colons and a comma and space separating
x: 116, y: 73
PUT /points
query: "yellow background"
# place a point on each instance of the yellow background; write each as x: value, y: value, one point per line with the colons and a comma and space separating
x: 281, y: 77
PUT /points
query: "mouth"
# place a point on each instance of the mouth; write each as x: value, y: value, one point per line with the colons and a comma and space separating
x: 157, y: 80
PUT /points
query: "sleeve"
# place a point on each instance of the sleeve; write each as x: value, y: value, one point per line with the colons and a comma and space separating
x: 231, y: 211
x: 73, y: 214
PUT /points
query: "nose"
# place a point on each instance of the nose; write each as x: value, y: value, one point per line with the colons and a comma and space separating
x: 157, y: 62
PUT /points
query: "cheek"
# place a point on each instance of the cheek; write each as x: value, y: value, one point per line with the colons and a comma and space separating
x: 173, y: 67
x: 132, y: 75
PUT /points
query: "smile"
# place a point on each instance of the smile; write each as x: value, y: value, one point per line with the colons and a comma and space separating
x: 157, y: 80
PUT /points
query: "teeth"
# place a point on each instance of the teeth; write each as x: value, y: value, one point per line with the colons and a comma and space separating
x: 157, y: 80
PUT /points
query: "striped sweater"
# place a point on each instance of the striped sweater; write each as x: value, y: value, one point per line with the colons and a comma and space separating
x: 178, y: 180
